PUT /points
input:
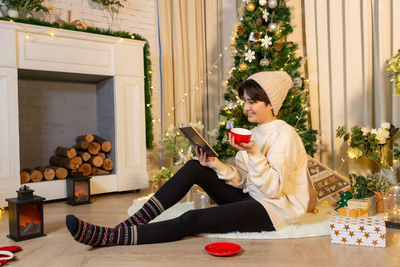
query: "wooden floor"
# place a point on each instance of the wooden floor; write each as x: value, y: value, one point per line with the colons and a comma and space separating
x: 59, y: 249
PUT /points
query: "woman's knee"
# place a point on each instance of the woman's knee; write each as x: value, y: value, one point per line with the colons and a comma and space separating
x: 197, y: 173
x: 192, y: 167
x: 189, y: 221
x: 193, y: 163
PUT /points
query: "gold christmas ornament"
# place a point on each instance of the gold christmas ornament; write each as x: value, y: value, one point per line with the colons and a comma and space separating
x: 315, y: 211
x: 250, y: 7
x: 243, y: 66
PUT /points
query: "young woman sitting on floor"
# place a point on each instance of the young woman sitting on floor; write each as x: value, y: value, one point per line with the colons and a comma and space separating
x: 267, y: 188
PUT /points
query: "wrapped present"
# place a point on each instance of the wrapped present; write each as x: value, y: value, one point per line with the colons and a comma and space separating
x: 346, y: 211
x: 367, y: 203
x: 358, y: 231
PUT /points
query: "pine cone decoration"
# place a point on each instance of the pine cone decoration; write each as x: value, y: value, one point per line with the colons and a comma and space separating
x: 259, y: 22
x: 238, y: 115
x: 278, y: 46
x: 257, y: 35
x: 240, y: 30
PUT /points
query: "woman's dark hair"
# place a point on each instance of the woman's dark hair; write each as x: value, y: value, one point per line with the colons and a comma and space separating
x: 253, y: 90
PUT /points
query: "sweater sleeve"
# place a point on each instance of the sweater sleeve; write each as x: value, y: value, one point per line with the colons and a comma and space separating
x: 233, y: 175
x: 269, y: 171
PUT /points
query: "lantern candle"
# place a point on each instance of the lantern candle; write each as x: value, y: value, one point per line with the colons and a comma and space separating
x: 25, y: 215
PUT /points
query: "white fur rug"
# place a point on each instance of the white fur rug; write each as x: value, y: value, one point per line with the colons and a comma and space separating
x: 310, y: 225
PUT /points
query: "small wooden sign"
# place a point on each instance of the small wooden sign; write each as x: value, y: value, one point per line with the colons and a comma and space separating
x: 328, y: 184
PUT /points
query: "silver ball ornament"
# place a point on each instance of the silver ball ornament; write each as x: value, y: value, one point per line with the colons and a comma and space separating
x: 264, y: 62
x: 262, y: 2
x: 272, y: 3
x: 298, y: 81
x: 272, y: 27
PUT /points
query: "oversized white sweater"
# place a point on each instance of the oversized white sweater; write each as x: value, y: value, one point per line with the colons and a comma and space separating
x: 273, y: 173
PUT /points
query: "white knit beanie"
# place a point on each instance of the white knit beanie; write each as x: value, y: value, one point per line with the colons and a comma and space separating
x: 276, y: 85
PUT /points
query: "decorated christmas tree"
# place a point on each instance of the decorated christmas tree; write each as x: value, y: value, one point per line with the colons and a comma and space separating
x: 259, y: 43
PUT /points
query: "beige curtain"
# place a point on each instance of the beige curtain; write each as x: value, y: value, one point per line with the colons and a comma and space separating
x: 347, y: 44
x: 182, y: 60
x: 190, y: 39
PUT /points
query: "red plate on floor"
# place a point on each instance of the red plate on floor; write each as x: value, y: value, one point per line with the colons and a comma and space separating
x: 222, y: 248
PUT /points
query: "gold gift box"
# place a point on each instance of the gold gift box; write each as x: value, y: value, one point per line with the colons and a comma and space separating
x: 346, y: 211
x: 366, y: 203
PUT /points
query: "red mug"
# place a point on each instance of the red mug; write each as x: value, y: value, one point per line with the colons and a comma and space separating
x: 241, y: 135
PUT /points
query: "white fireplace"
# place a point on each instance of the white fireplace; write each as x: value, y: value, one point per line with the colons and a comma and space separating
x: 52, y: 69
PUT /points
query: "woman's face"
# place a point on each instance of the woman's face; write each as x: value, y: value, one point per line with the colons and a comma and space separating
x: 257, y: 111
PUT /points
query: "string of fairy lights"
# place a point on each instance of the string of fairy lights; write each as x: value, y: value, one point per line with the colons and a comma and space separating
x: 210, y: 71
x: 213, y: 68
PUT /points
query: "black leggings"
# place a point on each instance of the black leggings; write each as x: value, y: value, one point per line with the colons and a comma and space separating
x: 236, y: 211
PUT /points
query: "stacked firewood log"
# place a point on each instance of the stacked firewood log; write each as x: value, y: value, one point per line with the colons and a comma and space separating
x: 90, y: 155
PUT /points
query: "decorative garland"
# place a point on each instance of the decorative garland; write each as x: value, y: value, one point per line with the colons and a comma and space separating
x: 122, y: 34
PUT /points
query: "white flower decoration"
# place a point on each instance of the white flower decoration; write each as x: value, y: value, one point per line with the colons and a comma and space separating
x: 385, y: 125
x: 265, y: 15
x: 250, y: 55
x: 262, y: 2
x: 381, y: 135
x: 266, y: 41
x: 365, y: 130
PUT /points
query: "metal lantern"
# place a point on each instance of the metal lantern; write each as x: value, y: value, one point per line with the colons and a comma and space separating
x: 25, y: 215
x: 78, y: 189
x: 392, y: 207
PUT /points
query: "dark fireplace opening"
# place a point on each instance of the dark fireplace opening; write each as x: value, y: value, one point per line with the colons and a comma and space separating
x: 56, y: 107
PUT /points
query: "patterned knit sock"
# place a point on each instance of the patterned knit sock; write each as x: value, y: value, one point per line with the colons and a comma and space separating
x: 98, y: 236
x: 151, y: 209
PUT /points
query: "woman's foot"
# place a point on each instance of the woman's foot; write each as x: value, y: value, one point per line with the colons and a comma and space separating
x: 99, y: 236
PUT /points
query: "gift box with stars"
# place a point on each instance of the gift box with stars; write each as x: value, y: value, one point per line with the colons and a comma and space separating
x: 358, y: 231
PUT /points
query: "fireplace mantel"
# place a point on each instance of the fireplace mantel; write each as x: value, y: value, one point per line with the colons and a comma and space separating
x: 38, y: 48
